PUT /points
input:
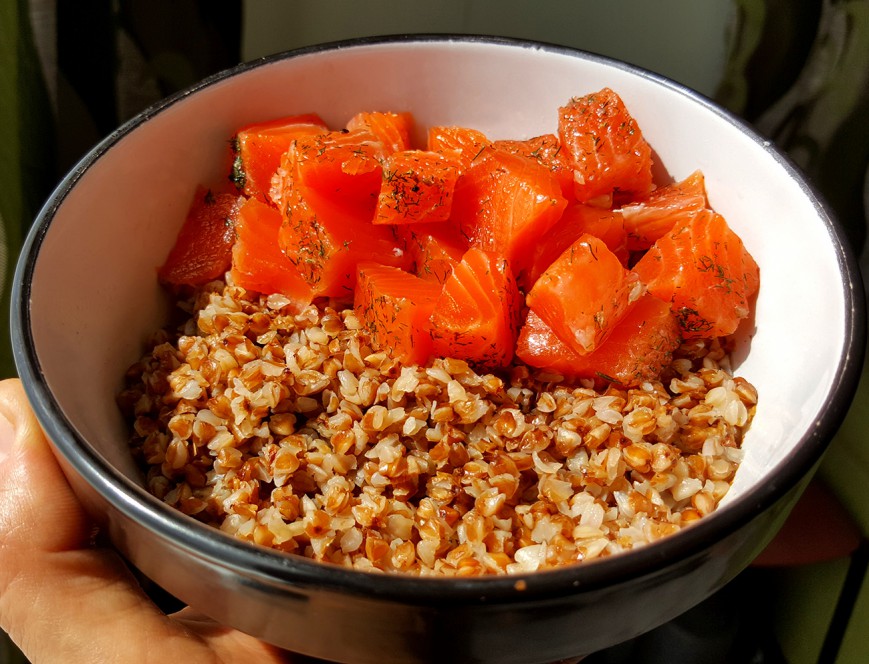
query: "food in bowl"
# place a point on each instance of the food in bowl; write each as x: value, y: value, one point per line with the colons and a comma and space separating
x: 125, y: 203
x: 520, y: 362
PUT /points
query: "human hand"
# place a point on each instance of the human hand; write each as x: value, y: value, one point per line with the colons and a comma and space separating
x: 64, y: 600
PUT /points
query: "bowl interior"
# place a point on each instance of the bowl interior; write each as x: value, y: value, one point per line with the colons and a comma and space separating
x: 94, y: 296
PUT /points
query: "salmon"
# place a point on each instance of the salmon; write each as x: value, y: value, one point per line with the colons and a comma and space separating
x: 433, y: 248
x: 577, y: 220
x: 257, y: 150
x: 652, y: 216
x: 505, y: 203
x: 394, y: 307
x: 258, y: 264
x: 547, y: 151
x: 584, y: 294
x: 392, y: 130
x: 640, y: 346
x: 703, y: 270
x: 461, y: 144
x: 328, y: 193
x: 203, y: 249
x: 606, y: 148
x: 450, y: 250
x: 477, y: 314
x: 417, y: 187
x: 343, y: 166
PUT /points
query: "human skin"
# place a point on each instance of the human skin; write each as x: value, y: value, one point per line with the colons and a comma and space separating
x: 64, y: 599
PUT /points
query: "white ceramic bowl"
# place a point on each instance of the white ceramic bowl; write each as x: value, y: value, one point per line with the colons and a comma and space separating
x: 86, y: 297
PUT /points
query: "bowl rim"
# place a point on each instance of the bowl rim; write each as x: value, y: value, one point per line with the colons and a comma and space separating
x: 276, y: 568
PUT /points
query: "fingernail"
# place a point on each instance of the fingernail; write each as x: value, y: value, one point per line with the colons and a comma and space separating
x: 7, y: 438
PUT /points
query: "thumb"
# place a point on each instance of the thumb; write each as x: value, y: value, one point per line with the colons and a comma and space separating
x: 38, y: 507
x: 60, y: 599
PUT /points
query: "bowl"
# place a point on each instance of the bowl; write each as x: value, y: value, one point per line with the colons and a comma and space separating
x: 85, y: 298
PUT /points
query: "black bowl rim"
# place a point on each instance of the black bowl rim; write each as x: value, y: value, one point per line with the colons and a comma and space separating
x: 276, y: 569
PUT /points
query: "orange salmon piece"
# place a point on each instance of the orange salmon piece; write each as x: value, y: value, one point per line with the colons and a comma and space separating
x: 258, y: 264
x: 393, y: 130
x: 433, y: 248
x: 639, y: 347
x: 476, y: 316
x: 258, y: 148
x: 546, y: 150
x: 327, y: 240
x: 584, y: 293
x: 606, y: 148
x: 651, y: 217
x: 203, y: 249
x: 462, y: 145
x: 394, y: 306
x: 702, y: 269
x: 505, y: 203
x: 343, y: 166
x: 417, y: 187
x: 327, y: 201
x: 577, y: 220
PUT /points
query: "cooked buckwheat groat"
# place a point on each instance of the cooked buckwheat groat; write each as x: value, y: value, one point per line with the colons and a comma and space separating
x: 291, y: 432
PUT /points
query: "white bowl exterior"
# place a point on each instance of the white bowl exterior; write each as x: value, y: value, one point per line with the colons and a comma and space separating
x: 95, y: 297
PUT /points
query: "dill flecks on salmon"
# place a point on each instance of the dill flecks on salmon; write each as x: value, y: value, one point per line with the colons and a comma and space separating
x: 573, y: 217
